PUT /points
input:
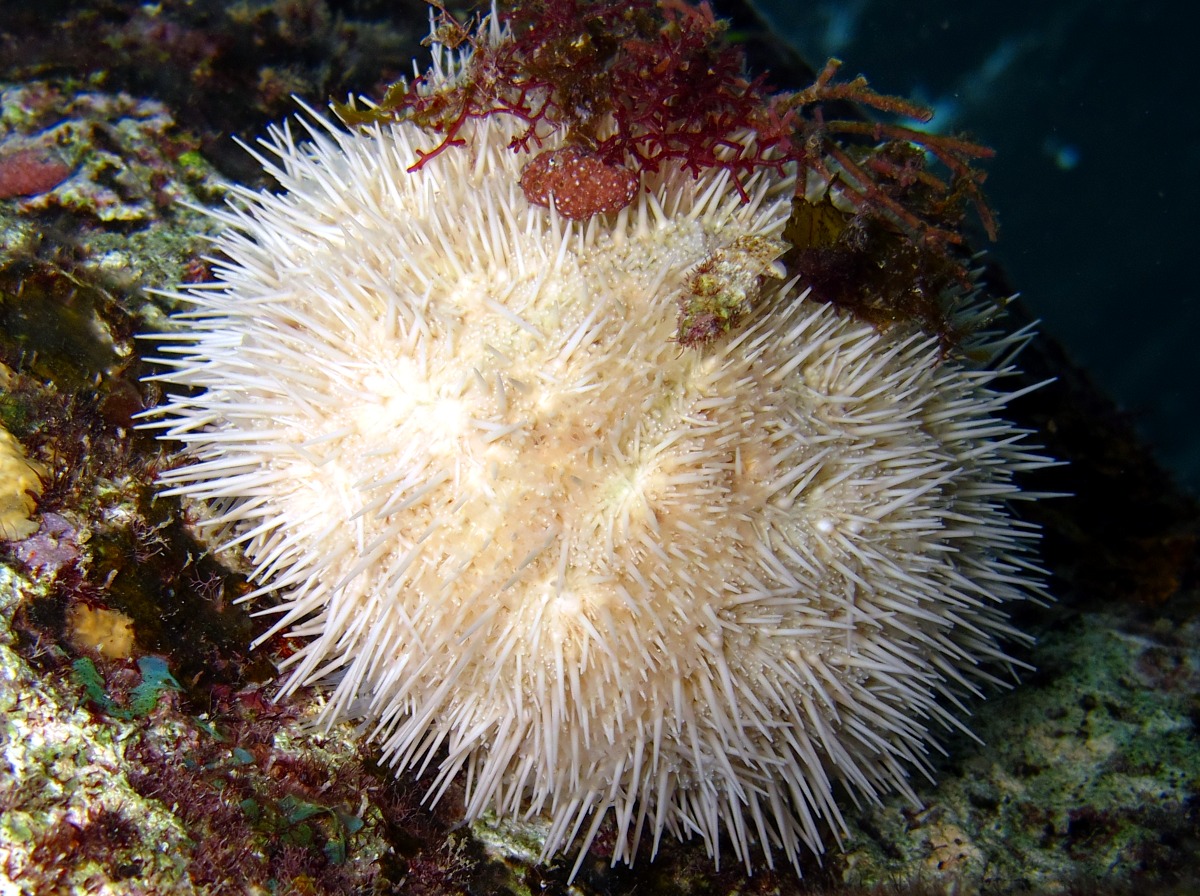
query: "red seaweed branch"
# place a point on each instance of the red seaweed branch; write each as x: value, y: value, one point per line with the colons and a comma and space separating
x: 869, y: 178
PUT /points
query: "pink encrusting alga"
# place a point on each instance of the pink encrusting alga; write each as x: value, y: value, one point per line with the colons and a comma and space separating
x: 542, y: 546
x: 578, y: 183
x: 29, y: 171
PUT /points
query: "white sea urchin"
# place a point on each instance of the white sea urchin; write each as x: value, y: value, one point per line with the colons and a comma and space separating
x: 550, y: 552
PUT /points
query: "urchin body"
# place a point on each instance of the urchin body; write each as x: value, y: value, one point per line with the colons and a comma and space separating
x: 546, y: 549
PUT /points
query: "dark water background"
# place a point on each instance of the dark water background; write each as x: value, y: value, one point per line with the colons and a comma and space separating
x: 1093, y: 109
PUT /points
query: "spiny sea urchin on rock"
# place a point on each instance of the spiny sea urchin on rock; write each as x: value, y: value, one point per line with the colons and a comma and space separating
x: 548, y: 551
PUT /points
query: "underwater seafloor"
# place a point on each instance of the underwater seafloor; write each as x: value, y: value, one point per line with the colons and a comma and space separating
x: 142, y: 752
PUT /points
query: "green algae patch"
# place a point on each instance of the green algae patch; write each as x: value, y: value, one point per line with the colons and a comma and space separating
x: 142, y: 699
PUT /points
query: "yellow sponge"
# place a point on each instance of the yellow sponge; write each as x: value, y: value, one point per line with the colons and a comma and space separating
x: 20, y: 484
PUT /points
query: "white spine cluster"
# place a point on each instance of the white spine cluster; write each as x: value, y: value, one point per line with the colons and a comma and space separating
x: 551, y: 553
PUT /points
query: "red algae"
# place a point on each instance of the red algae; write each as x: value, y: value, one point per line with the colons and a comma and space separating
x: 580, y: 183
x: 30, y: 172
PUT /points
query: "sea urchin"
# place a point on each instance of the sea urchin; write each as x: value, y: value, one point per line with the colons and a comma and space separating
x: 550, y: 552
